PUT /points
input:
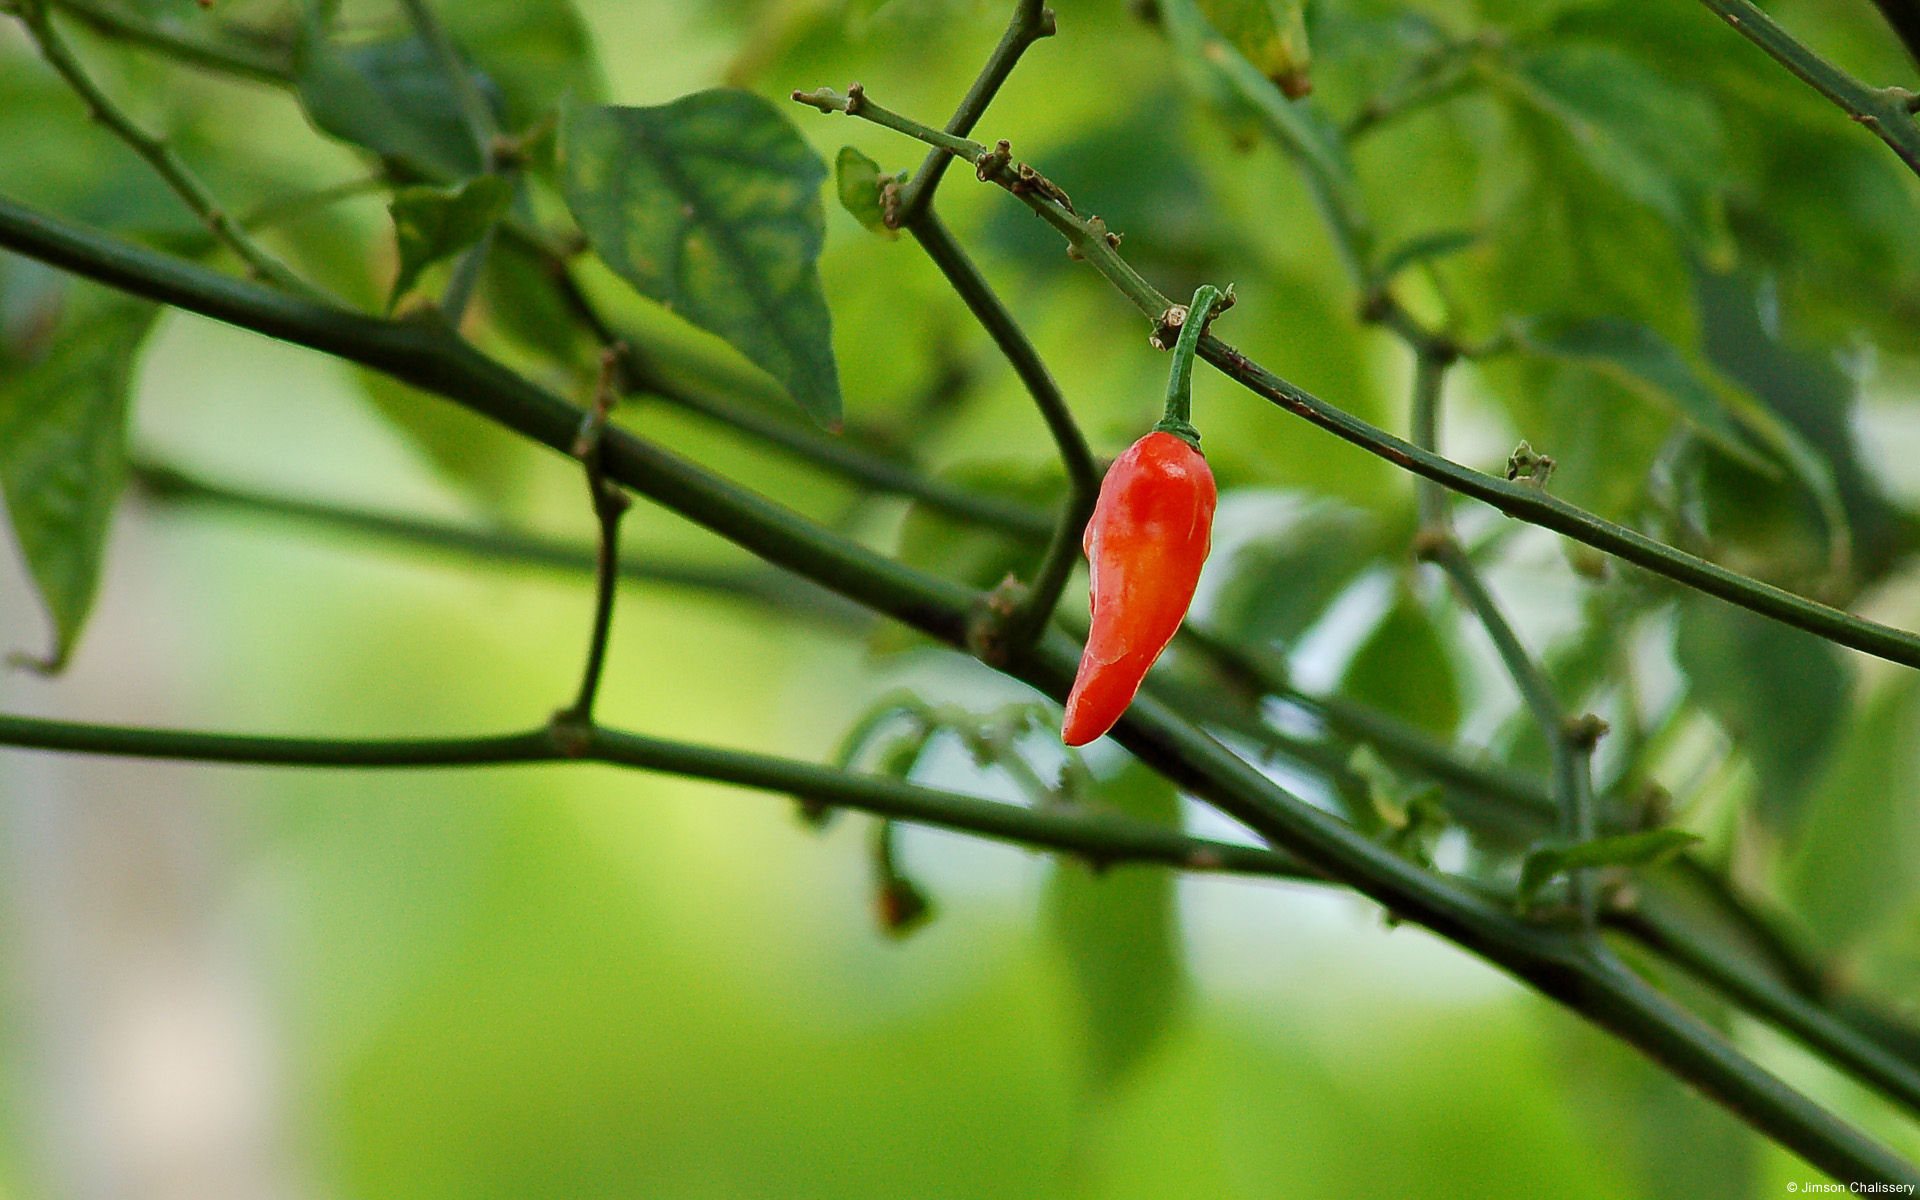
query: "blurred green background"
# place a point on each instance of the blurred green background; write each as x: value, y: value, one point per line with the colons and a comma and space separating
x: 580, y: 982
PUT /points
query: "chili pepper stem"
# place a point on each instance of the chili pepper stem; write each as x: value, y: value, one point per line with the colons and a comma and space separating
x: 1178, y: 419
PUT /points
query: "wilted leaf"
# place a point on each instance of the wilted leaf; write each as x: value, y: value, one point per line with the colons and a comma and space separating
x: 1545, y: 863
x: 1120, y: 936
x: 711, y: 205
x: 63, y: 455
x: 431, y: 224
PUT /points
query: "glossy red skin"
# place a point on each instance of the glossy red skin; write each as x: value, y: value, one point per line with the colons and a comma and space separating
x: 1149, y: 535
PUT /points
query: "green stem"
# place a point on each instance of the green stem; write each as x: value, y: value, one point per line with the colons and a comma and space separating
x: 1100, y: 836
x: 1572, y: 784
x: 1178, y: 418
x: 1819, y: 1030
x: 484, y: 132
x: 1519, y: 500
x: 1886, y: 111
x: 1030, y: 22
x: 230, y: 58
x: 474, y: 113
x: 786, y: 594
x: 1563, y: 967
x: 1030, y: 616
x: 159, y: 155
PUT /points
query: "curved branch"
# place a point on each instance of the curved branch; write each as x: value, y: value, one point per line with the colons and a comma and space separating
x: 1888, y: 112
x: 1083, y: 477
x: 1102, y: 837
x: 262, y: 65
x: 1560, y: 965
x: 1531, y: 504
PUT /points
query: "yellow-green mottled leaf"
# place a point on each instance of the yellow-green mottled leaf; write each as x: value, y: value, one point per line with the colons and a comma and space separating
x: 711, y: 206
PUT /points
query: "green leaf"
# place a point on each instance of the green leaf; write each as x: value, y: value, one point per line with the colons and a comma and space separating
x: 1424, y: 249
x: 1850, y: 870
x: 859, y: 181
x: 1120, y: 936
x: 1638, y: 358
x: 1544, y: 863
x: 522, y: 300
x: 431, y: 224
x: 1271, y: 34
x: 63, y: 456
x: 1403, y: 668
x: 536, y: 52
x: 389, y: 97
x: 1780, y: 694
x: 486, y: 462
x: 1654, y: 140
x: 967, y: 551
x: 1223, y: 75
x: 711, y: 206
x: 1279, y: 584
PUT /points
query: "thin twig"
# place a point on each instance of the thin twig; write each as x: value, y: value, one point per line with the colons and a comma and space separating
x: 485, y: 134
x: 786, y: 594
x: 609, y: 505
x: 1436, y: 543
x: 157, y: 152
x: 1103, y: 836
x: 1525, y: 502
x: 1032, y: 612
x: 227, y: 57
x: 1888, y: 112
x: 1562, y: 966
x: 1031, y: 21
x: 1818, y: 1029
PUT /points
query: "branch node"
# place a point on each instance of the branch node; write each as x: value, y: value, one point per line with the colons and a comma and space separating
x: 1166, y: 331
x: 572, y: 734
x: 990, y: 624
x: 1528, y: 466
x: 1431, y: 545
x: 1584, y: 731
x: 993, y: 161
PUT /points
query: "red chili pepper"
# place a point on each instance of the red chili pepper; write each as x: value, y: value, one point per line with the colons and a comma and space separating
x: 1150, y: 533
x: 1151, y: 529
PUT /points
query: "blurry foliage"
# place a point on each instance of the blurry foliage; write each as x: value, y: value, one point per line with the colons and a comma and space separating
x: 1693, y: 254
